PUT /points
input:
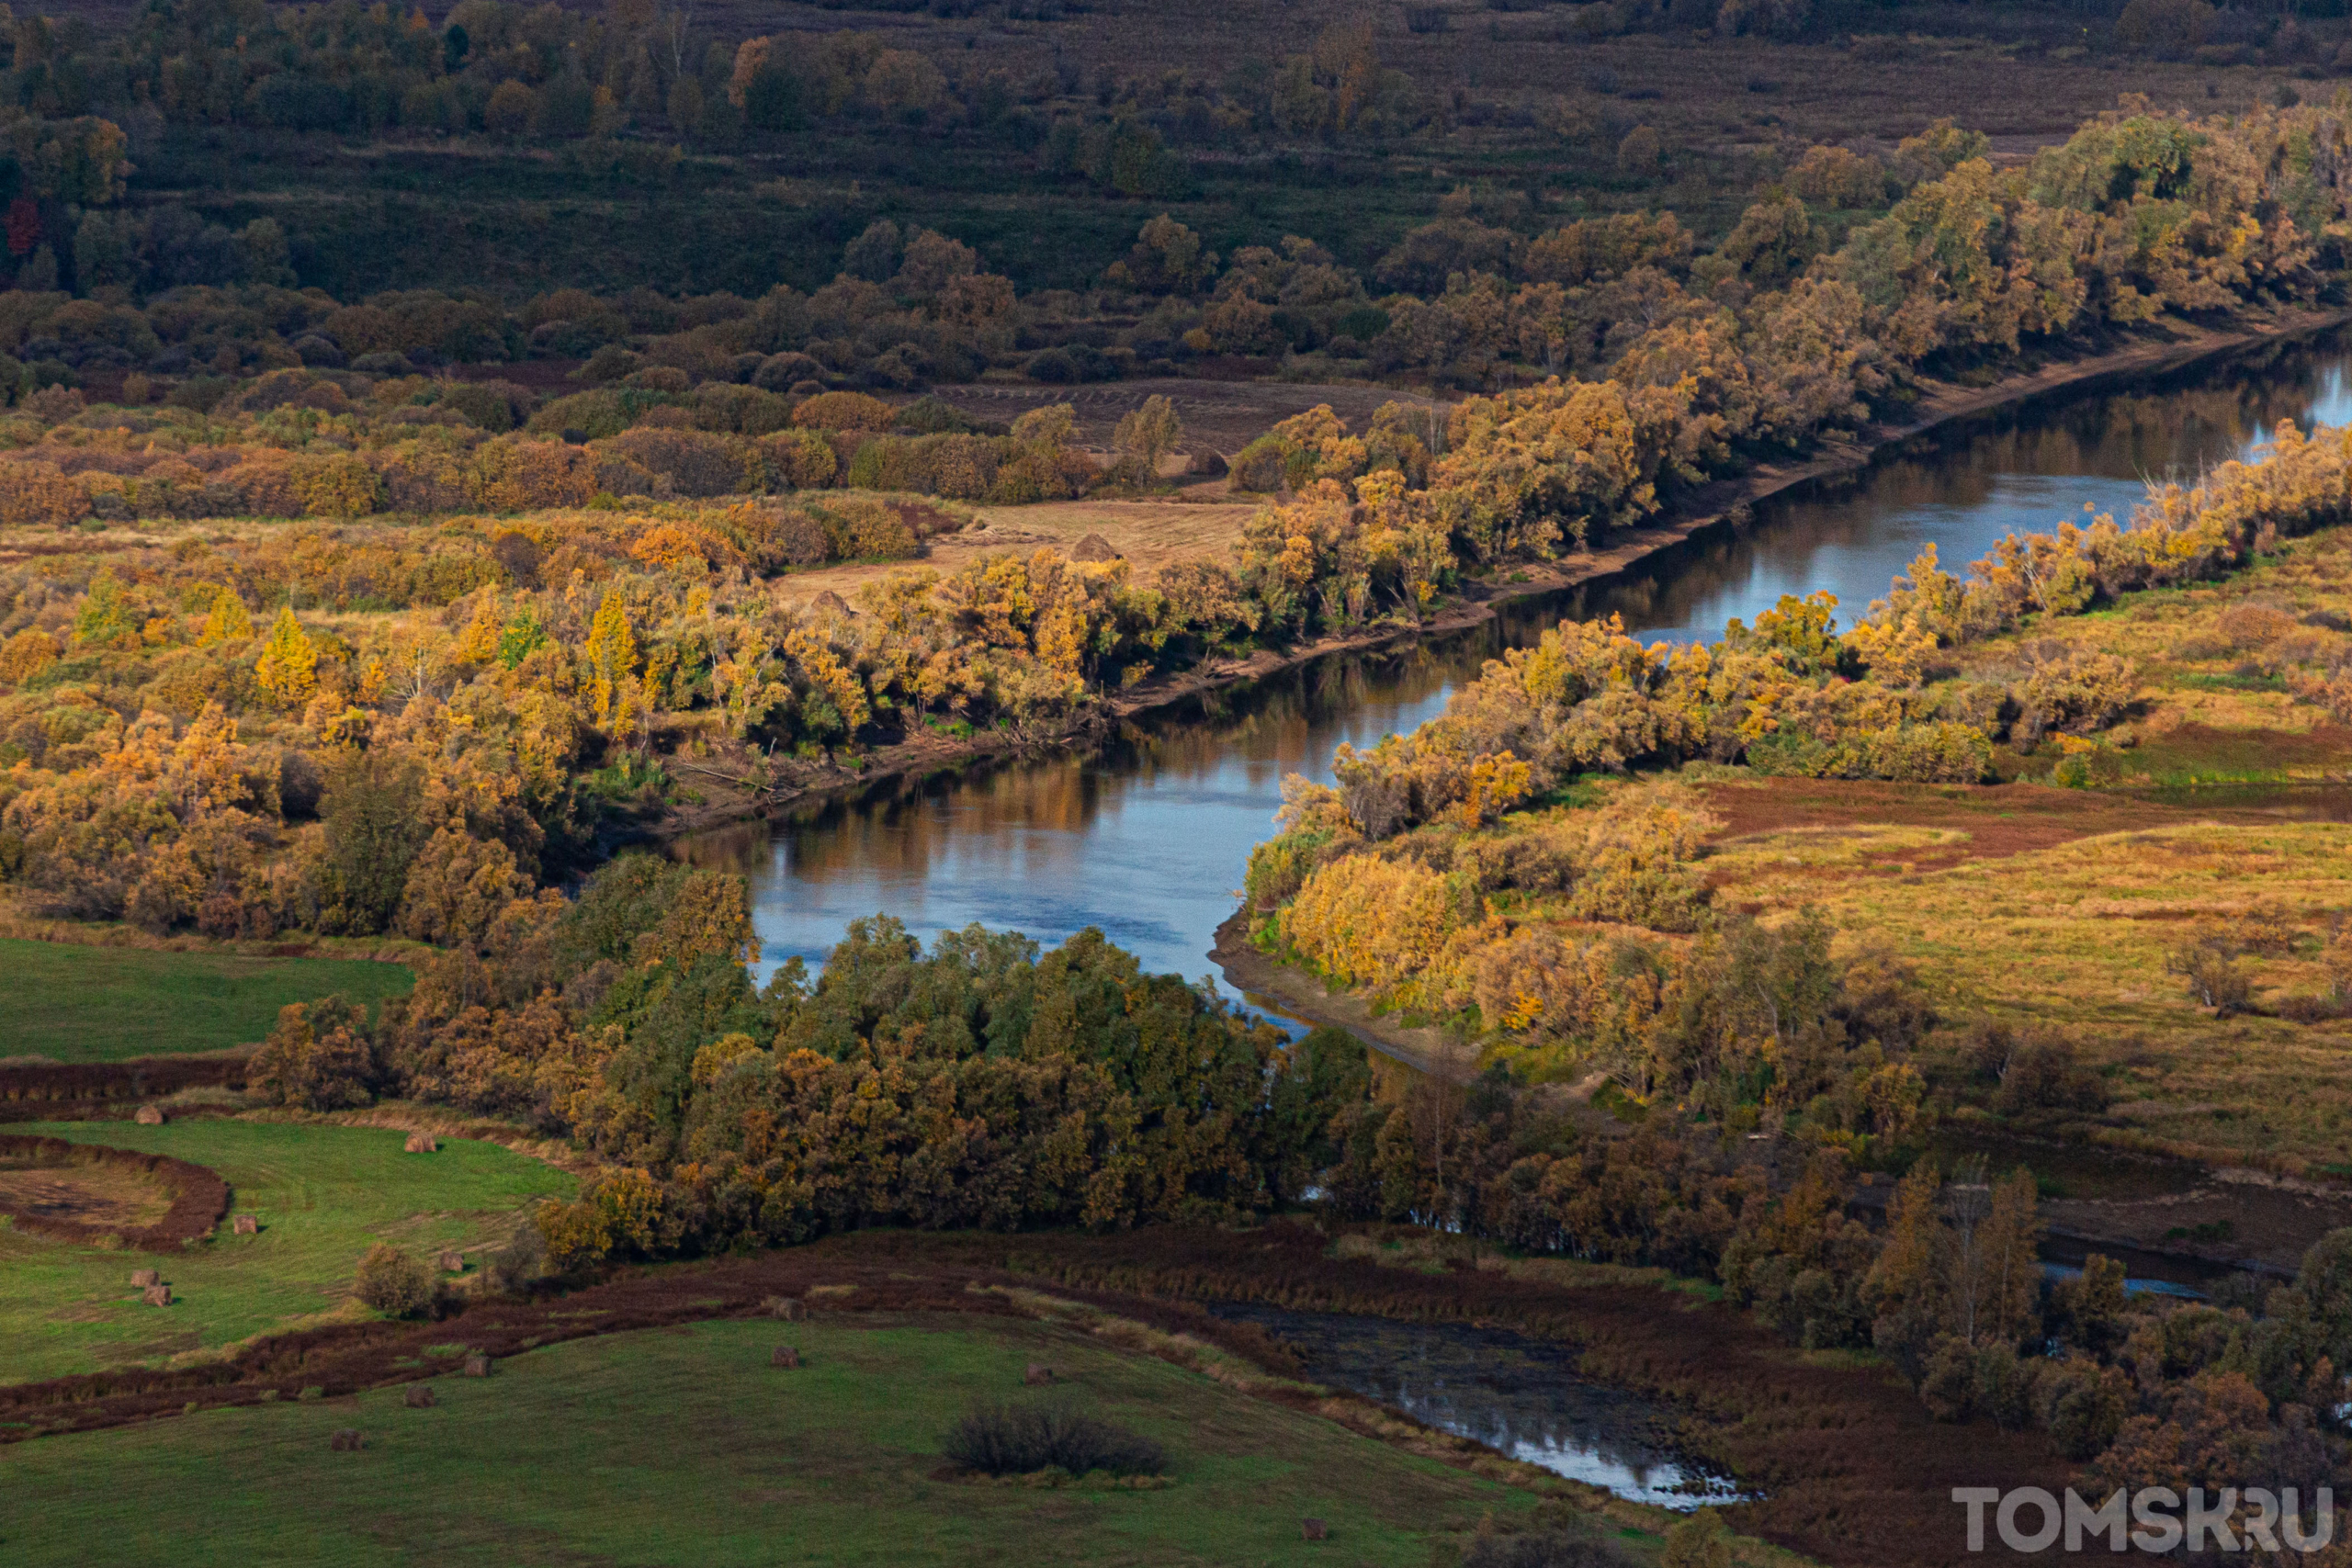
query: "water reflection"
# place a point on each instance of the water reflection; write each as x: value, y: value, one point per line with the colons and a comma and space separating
x: 1520, y: 1396
x: 1148, y: 837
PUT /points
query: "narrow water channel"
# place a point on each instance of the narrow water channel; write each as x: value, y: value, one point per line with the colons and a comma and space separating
x: 1147, y: 837
x: 1520, y: 1396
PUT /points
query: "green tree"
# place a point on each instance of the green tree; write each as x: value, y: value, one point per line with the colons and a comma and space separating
x: 372, y: 811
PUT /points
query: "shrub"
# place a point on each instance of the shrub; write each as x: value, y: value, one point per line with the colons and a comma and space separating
x: 318, y: 1057
x: 392, y: 1281
x: 36, y: 494
x: 496, y: 406
x: 798, y: 459
x: 845, y: 411
x: 1260, y: 466
x: 860, y: 529
x: 696, y: 463
x: 1022, y: 1440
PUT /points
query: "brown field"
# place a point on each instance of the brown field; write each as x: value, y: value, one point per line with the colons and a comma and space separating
x: 101, y: 1195
x: 1149, y: 534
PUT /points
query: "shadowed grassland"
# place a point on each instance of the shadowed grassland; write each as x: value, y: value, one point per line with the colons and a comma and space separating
x: 683, y: 1446
x: 74, y: 1003
x: 322, y: 1194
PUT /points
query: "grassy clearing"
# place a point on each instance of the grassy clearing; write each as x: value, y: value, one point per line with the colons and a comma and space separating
x: 107, y: 1004
x: 683, y: 1446
x: 2077, y: 935
x: 322, y: 1195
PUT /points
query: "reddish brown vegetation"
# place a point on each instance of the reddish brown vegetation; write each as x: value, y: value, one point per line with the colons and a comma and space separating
x: 199, y: 1196
x: 47, y: 1091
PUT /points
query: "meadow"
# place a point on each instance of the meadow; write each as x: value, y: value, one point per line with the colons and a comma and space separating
x: 683, y: 1446
x: 71, y: 1002
x: 322, y: 1195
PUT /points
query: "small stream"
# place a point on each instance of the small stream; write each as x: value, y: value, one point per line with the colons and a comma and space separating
x: 1520, y: 1396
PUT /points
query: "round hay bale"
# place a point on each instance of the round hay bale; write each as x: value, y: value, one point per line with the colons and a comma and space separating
x: 787, y: 1355
x: 142, y: 1277
x: 150, y: 1116
x: 346, y: 1440
x: 1094, y: 547
x: 245, y: 1225
x: 453, y: 1263
x: 477, y: 1365
x: 1038, y: 1373
x: 421, y: 1144
x: 1315, y: 1529
x: 1208, y: 464
x: 420, y: 1396
x: 157, y: 1295
x: 786, y: 1307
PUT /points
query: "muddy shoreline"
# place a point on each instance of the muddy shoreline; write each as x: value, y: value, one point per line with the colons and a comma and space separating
x: 732, y: 799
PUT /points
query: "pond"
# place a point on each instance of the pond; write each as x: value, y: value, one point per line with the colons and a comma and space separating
x: 1520, y: 1396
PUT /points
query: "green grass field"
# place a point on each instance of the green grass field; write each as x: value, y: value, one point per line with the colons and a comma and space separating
x: 322, y: 1194
x: 684, y: 1447
x: 107, y: 1004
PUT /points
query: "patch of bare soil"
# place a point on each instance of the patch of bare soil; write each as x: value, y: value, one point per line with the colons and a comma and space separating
x: 90, y: 1195
x: 2000, y: 820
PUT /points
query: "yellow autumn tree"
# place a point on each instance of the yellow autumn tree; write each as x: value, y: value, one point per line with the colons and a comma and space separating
x: 478, y: 644
x: 612, y: 654
x: 226, y: 621
x: 288, y: 669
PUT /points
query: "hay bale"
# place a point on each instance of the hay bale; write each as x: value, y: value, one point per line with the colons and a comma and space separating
x: 157, y: 1295
x: 1038, y: 1373
x: 245, y: 1225
x: 1315, y: 1529
x: 453, y: 1263
x: 477, y: 1365
x: 346, y: 1440
x: 786, y: 1307
x: 150, y: 1116
x: 142, y: 1277
x: 787, y: 1355
x: 1094, y: 547
x: 420, y: 1396
x: 421, y: 1144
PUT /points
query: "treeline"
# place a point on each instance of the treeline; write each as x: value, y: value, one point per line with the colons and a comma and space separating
x: 980, y: 1083
x: 1804, y: 318
x: 303, y: 443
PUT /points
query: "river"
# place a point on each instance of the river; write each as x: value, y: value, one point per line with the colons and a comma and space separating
x: 1147, y: 835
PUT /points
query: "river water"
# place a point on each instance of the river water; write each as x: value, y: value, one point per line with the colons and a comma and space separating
x: 1146, y: 836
